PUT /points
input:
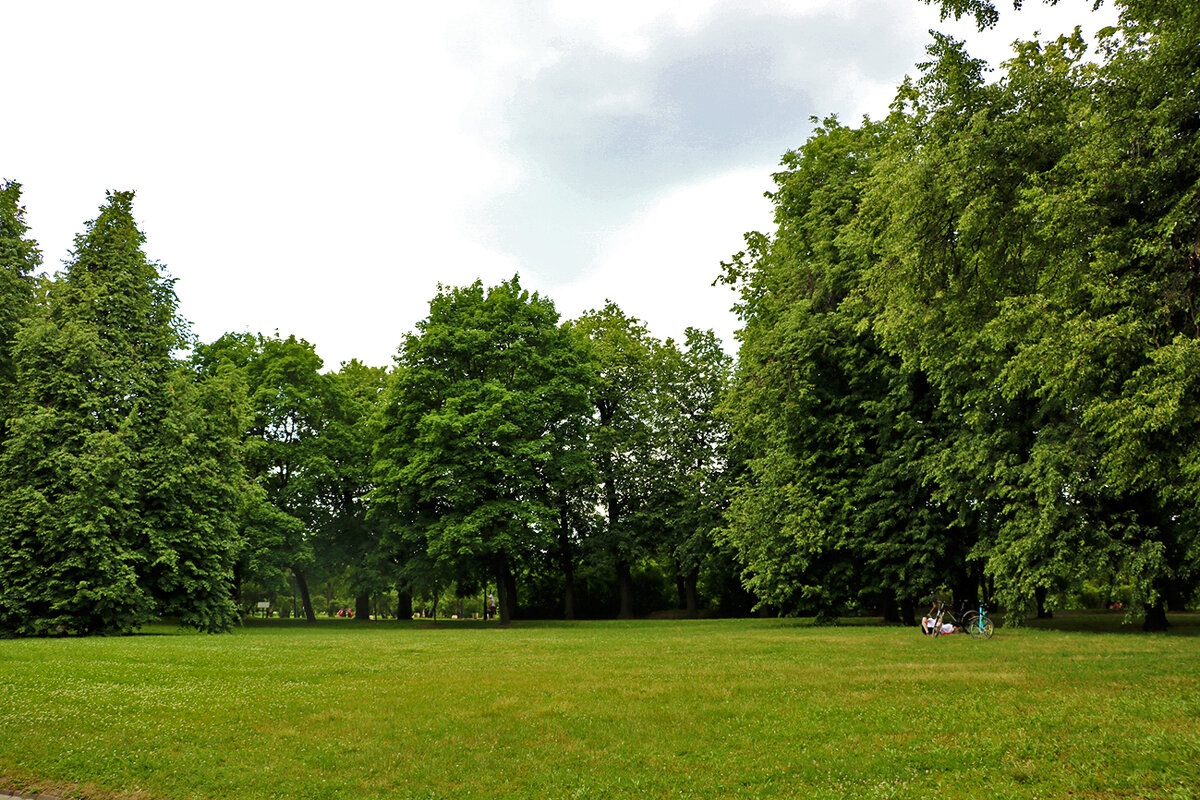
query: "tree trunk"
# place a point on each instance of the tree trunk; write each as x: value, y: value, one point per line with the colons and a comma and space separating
x: 691, y: 596
x: 362, y: 607
x: 306, y: 601
x: 510, y: 586
x: 404, y: 609
x: 908, y: 615
x: 505, y: 589
x: 1156, y: 617
x: 891, y: 609
x: 569, y: 593
x: 1040, y: 593
x: 1175, y: 597
x: 237, y: 590
x: 966, y: 587
x: 624, y: 589
x: 612, y: 504
x: 566, y: 561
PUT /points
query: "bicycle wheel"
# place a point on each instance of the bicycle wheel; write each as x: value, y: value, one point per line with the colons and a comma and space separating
x: 970, y: 620
x: 982, y: 629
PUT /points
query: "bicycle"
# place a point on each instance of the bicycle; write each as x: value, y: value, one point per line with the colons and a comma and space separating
x: 970, y: 620
x: 976, y: 623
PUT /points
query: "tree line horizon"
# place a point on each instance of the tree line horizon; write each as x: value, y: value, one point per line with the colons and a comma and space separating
x: 969, y: 364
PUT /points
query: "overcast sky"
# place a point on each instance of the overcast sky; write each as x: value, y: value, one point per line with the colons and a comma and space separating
x: 318, y: 168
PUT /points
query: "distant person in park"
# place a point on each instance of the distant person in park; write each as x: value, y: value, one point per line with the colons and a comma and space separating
x: 930, y: 621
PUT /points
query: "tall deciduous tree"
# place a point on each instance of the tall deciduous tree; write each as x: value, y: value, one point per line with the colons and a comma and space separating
x: 828, y: 506
x: 621, y: 353
x: 693, y: 453
x: 344, y: 536
x: 569, y: 475
x: 994, y: 287
x: 289, y: 402
x: 1051, y: 296
x: 472, y: 418
x: 267, y: 534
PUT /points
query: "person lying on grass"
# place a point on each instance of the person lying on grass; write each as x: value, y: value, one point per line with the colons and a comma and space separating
x: 928, y: 623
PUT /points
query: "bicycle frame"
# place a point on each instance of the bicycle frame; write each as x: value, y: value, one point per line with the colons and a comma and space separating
x: 937, y: 619
x: 973, y: 621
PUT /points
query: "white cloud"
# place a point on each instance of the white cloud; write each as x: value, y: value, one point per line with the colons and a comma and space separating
x: 661, y: 268
x: 318, y: 169
x: 304, y: 171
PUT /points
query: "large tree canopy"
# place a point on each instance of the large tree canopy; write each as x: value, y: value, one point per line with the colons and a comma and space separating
x: 979, y: 312
x: 687, y: 489
x: 472, y: 418
x: 968, y: 364
x: 622, y: 355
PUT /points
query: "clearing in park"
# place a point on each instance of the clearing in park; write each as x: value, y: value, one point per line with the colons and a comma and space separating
x: 647, y: 709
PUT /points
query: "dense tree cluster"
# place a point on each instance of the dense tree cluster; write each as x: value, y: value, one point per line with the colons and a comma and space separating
x: 144, y: 474
x: 970, y: 348
x: 510, y: 444
x: 968, y: 364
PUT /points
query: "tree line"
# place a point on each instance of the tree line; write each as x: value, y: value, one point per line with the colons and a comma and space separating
x: 576, y: 464
x: 967, y: 363
x: 970, y: 349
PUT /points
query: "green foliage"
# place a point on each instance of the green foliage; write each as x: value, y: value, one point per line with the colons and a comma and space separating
x: 688, y: 487
x: 623, y: 357
x: 972, y: 339
x: 191, y: 483
x: 984, y: 11
x: 341, y: 477
x: 471, y: 423
x: 19, y: 259
x: 290, y: 463
x: 831, y: 431
x: 115, y: 476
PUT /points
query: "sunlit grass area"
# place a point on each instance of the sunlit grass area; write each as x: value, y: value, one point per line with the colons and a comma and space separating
x: 701, y: 709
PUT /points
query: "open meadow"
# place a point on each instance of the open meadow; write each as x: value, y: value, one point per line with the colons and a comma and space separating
x: 646, y: 709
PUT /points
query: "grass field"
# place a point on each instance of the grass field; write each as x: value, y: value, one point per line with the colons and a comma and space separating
x: 649, y: 709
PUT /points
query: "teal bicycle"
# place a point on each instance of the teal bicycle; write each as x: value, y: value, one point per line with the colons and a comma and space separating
x: 976, y: 623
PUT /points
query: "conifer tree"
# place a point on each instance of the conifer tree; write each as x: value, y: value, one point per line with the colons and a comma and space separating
x: 115, y: 474
x: 19, y: 257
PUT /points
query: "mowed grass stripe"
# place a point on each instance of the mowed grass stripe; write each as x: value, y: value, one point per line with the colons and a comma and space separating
x: 705, y: 709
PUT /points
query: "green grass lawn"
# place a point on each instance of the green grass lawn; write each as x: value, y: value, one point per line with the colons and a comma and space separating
x: 699, y: 709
